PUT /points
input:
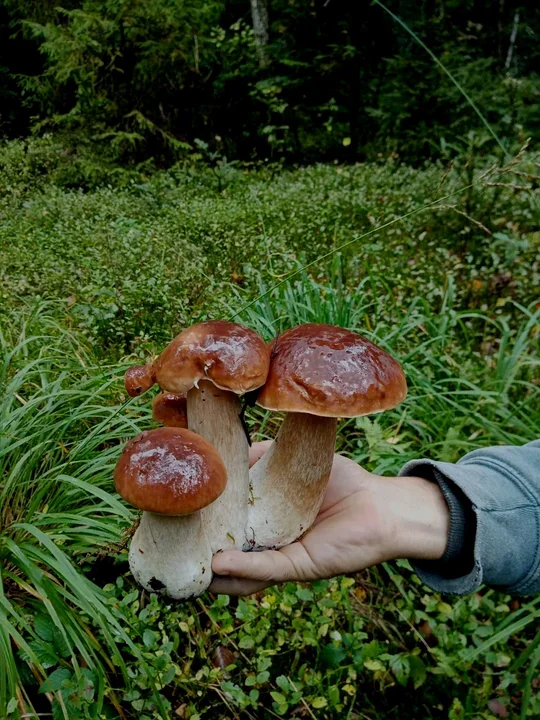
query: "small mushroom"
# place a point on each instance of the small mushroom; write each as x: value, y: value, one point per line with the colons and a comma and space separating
x: 213, y: 363
x: 318, y: 373
x: 139, y: 379
x: 170, y: 410
x: 171, y: 474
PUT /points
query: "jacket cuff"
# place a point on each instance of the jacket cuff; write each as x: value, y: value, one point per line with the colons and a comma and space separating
x: 504, y: 546
x: 458, y: 558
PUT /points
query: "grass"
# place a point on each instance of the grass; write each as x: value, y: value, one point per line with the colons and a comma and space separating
x: 58, y: 445
x: 90, y: 278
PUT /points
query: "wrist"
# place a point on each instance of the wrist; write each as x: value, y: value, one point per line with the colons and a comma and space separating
x: 418, y: 518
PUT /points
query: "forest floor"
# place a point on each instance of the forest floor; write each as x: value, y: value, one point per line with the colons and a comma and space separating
x: 95, y: 278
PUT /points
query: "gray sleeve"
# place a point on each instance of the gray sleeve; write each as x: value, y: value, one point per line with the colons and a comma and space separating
x: 494, y: 500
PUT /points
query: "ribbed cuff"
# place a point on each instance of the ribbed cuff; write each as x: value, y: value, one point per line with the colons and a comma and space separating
x: 458, y: 558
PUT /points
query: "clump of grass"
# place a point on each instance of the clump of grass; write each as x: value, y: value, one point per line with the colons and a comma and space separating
x: 60, y: 425
x: 471, y: 375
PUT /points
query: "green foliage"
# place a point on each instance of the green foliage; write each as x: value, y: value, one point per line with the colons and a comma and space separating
x: 148, y: 80
x: 128, y: 264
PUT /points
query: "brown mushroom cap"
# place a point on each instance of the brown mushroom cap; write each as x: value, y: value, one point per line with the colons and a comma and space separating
x: 232, y: 356
x: 328, y: 371
x: 170, y: 471
x: 139, y: 379
x: 170, y: 410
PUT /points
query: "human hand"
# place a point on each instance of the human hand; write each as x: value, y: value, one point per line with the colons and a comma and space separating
x: 365, y: 519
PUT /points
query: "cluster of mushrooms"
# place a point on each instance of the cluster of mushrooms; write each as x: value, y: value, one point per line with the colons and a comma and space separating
x: 191, y: 478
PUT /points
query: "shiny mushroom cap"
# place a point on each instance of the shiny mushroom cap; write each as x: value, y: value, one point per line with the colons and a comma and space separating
x: 170, y: 471
x: 138, y: 379
x: 231, y: 356
x: 170, y: 410
x: 328, y: 371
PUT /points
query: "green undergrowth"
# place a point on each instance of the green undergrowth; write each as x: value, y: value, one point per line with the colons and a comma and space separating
x: 92, y: 280
x: 133, y: 263
x: 346, y: 646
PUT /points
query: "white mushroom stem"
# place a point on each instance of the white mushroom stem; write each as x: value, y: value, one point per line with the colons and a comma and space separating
x: 171, y: 555
x: 288, y: 483
x: 215, y: 414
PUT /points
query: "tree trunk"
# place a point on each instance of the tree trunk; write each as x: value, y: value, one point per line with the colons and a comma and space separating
x: 259, y: 15
x: 512, y: 45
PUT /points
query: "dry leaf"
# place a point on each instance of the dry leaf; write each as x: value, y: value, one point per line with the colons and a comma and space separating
x: 223, y: 657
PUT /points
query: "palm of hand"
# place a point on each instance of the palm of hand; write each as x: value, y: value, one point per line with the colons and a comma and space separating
x: 350, y: 525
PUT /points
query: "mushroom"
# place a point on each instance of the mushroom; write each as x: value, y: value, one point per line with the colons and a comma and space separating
x: 171, y: 474
x: 213, y: 363
x: 139, y: 379
x: 318, y: 373
x: 170, y: 410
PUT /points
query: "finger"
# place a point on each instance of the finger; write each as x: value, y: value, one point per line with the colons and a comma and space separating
x: 233, y: 586
x: 257, y: 450
x: 273, y: 566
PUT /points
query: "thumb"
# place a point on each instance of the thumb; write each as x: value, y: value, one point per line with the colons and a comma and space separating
x: 272, y: 566
x: 257, y: 450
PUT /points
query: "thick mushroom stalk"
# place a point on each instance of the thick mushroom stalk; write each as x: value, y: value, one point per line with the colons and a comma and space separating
x: 215, y: 414
x: 213, y: 363
x: 318, y: 373
x: 301, y: 458
x: 171, y: 555
x: 171, y: 474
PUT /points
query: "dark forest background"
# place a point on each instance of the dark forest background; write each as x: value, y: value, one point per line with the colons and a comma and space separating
x: 288, y: 80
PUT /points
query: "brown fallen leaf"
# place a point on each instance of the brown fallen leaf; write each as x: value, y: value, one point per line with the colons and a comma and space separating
x: 222, y: 657
x: 427, y: 632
